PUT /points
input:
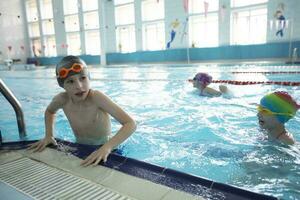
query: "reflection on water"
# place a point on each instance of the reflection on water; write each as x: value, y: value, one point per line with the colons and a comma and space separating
x: 272, y: 167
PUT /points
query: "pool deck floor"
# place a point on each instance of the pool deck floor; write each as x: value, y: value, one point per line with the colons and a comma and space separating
x: 44, y: 166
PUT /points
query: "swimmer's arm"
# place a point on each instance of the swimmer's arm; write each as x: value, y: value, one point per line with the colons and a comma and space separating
x: 128, y: 127
x: 56, y: 103
x: 290, y: 142
x: 49, y: 123
x: 212, y: 92
x: 223, y: 89
x: 288, y: 139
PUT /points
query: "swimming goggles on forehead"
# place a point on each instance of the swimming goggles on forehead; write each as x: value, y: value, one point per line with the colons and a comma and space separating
x: 191, y: 80
x: 63, y: 72
x: 269, y: 112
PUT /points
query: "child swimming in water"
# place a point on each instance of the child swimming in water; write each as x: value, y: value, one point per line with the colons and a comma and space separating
x: 87, y: 110
x: 274, y: 110
x: 201, y: 82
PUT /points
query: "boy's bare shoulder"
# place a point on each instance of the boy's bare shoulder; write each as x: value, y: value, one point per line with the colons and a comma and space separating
x: 58, y: 102
x: 61, y: 97
x: 99, y: 98
x: 96, y: 94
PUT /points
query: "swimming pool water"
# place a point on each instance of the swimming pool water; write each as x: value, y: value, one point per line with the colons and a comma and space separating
x: 217, y: 138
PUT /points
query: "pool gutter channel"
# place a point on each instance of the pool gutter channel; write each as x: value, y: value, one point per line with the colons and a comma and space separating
x: 177, y: 180
x: 41, y: 181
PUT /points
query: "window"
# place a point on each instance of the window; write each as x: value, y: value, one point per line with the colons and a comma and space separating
x: 89, y: 5
x: 153, y: 25
x: 42, y: 40
x: 31, y: 11
x: 34, y: 30
x: 72, y: 23
x: 204, y: 31
x: 124, y: 14
x: 119, y: 2
x: 126, y: 39
x: 154, y: 36
x: 92, y: 42
x: 239, y: 3
x: 50, y: 48
x: 36, y: 47
x: 249, y: 26
x: 33, y: 27
x: 48, y: 27
x: 72, y: 27
x: 91, y: 20
x: 152, y: 10
x: 46, y: 9
x: 74, y: 44
x: 202, y: 6
x: 70, y: 7
x: 203, y: 23
x: 125, y: 26
x: 91, y: 27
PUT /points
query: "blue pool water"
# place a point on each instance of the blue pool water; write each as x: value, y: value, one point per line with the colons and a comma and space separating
x: 217, y: 138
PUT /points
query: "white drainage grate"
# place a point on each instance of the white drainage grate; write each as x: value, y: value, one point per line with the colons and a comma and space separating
x: 41, y: 181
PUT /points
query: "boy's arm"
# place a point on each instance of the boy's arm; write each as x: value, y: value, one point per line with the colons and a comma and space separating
x: 55, y: 104
x: 49, y: 123
x: 128, y: 127
x: 287, y: 139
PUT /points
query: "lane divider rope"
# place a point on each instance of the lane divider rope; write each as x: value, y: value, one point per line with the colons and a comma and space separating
x: 271, y: 72
x: 232, y: 82
x: 285, y: 83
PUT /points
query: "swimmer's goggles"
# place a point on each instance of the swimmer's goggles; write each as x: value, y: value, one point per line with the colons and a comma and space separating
x: 63, y: 72
x: 191, y: 80
x: 269, y: 112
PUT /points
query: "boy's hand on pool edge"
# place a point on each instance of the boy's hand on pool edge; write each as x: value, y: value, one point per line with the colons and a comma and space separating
x: 42, y: 144
x: 96, y: 157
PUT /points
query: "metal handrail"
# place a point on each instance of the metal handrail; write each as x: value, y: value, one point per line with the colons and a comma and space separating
x: 17, y: 107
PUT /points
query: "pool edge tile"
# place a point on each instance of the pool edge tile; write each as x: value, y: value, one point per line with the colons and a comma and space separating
x: 178, y: 195
x: 136, y: 187
x: 8, y: 156
x: 71, y: 164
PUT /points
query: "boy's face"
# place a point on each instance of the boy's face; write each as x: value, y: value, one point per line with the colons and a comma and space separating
x: 197, y: 84
x: 267, y: 122
x: 77, y: 86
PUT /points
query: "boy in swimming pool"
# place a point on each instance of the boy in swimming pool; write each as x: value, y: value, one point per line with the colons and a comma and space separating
x: 87, y: 110
x: 274, y: 110
x: 201, y: 82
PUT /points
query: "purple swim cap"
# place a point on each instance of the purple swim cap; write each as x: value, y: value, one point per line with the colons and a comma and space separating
x: 203, y: 78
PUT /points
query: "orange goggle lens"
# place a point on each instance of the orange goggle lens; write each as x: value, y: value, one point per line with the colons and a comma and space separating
x: 266, y: 111
x: 63, y: 72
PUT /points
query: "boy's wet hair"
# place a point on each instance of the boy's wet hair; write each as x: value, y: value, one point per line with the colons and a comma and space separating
x: 67, y: 62
x: 203, y: 78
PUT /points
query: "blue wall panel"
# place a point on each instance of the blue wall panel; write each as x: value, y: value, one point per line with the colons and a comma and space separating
x: 244, y: 52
